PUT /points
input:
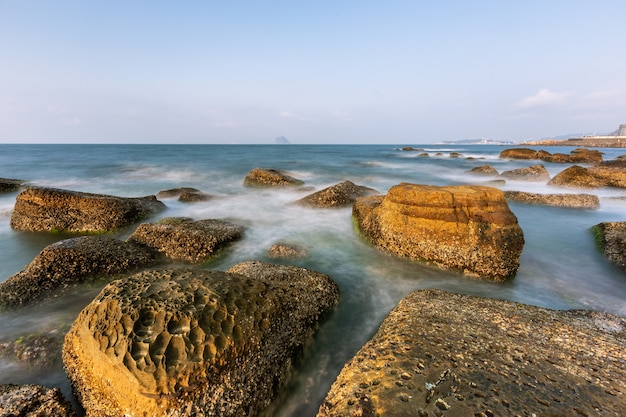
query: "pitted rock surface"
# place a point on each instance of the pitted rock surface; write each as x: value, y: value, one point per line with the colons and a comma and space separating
x: 194, y: 342
x: 54, y: 210
x: 611, y: 236
x: 468, y: 228
x: 285, y: 250
x: 33, y: 401
x: 70, y: 262
x: 340, y: 195
x: 576, y: 177
x: 9, y: 184
x: 533, y: 173
x: 445, y: 354
x: 262, y: 177
x: 187, y: 240
x: 558, y: 200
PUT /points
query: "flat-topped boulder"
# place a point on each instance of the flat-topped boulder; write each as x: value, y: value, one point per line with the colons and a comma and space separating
x: 446, y: 354
x: 187, y: 342
x: 262, y: 177
x: 611, y: 237
x: 9, y: 184
x: 532, y: 173
x: 33, y: 401
x: 589, y: 201
x: 55, y: 210
x: 340, y: 195
x: 577, y: 156
x: 184, y: 239
x: 518, y: 153
x: 71, y: 262
x: 467, y: 228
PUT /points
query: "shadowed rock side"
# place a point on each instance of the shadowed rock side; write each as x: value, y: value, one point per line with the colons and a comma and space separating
x: 71, y: 262
x: 340, y: 195
x: 261, y: 177
x: 8, y: 184
x: 33, y: 401
x: 604, y: 175
x: 193, y: 342
x: 445, y: 354
x: 611, y: 236
x: 54, y: 210
x: 533, y: 173
x: 558, y: 200
x: 469, y: 228
x: 187, y: 240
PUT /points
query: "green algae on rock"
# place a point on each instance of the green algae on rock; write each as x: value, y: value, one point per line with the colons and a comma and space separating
x: 194, y: 342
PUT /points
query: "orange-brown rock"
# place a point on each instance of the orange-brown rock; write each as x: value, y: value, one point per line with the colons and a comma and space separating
x: 593, y: 177
x: 468, y: 228
x: 262, y: 177
x: 339, y: 195
x: 54, y: 210
x: 558, y: 200
x: 188, y: 342
x: 483, y: 170
x: 446, y: 354
x: 611, y: 237
x: 532, y: 173
x: 518, y: 153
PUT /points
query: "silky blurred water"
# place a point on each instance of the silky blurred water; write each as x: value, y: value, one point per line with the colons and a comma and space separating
x: 561, y: 267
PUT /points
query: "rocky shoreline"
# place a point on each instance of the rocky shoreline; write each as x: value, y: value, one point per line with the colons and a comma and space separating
x: 166, y: 337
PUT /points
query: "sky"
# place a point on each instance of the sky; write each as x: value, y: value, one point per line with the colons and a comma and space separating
x: 402, y: 72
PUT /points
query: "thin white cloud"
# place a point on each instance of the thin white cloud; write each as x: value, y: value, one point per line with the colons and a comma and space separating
x: 544, y: 97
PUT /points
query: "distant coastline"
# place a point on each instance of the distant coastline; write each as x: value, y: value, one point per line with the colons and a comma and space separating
x: 586, y: 141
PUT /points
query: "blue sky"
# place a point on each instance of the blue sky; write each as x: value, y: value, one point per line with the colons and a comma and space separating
x: 315, y: 72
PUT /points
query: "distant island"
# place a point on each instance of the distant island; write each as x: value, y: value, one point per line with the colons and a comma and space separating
x: 616, y: 139
x: 281, y: 140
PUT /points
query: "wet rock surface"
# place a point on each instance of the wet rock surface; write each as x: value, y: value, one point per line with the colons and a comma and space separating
x: 55, y: 210
x: 484, y: 170
x: 445, y: 354
x: 194, y: 342
x: 185, y: 194
x: 187, y: 240
x: 71, y: 262
x: 468, y: 228
x: 40, y: 351
x: 9, y: 184
x: 533, y: 173
x: 611, y: 236
x: 518, y: 153
x: 33, y: 401
x: 285, y: 250
x: 340, y: 195
x: 261, y: 177
x: 559, y: 200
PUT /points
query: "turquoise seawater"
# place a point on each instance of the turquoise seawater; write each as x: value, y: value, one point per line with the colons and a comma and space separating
x: 561, y: 267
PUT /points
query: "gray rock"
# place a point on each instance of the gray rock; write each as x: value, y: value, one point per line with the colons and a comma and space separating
x: 8, y: 184
x: 185, y: 194
x: 33, y: 401
x: 54, y: 210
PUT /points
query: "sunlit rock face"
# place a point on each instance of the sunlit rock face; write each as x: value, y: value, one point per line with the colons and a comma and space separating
x: 445, y: 354
x: 468, y: 228
x: 532, y: 173
x: 54, y: 210
x: 262, y: 177
x: 194, y: 342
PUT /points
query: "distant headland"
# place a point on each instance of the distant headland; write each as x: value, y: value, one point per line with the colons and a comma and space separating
x: 616, y: 139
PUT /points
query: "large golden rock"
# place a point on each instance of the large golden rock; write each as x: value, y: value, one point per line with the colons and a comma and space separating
x: 446, y: 354
x: 469, y: 228
x: 194, y: 342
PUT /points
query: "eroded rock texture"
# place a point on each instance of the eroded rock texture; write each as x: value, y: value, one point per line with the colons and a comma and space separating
x: 33, y: 401
x: 558, y: 200
x: 340, y: 195
x: 533, y: 173
x: 261, y: 177
x: 187, y: 240
x: 194, y: 342
x: 445, y: 354
x: 70, y: 262
x: 611, y: 237
x: 469, y: 228
x: 54, y: 210
x: 576, y: 177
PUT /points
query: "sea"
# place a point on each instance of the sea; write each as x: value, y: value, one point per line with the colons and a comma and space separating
x: 561, y: 266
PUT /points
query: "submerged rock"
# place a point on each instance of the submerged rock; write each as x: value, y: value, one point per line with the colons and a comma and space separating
x: 533, y: 173
x: 261, y: 177
x: 194, y: 342
x: 33, y: 401
x: 469, y: 228
x: 71, y: 262
x: 187, y: 240
x: 8, y: 184
x: 558, y: 200
x: 340, y: 195
x: 611, y: 236
x: 282, y: 250
x: 484, y: 170
x: 440, y: 353
x: 185, y: 194
x: 54, y: 210
x: 39, y: 351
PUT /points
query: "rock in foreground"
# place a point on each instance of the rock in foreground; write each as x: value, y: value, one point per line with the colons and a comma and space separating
x: 261, y: 177
x: 557, y: 200
x: 54, y: 210
x: 340, y: 195
x: 33, y: 401
x: 445, y: 354
x: 194, y: 342
x: 611, y: 237
x: 469, y: 228
x: 187, y: 240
